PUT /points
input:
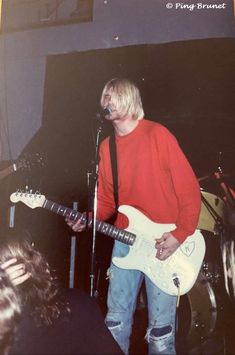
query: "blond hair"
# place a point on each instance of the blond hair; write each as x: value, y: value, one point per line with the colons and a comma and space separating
x: 125, y: 96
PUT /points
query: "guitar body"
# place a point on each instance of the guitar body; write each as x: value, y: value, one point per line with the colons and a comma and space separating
x: 185, y: 262
x: 183, y: 265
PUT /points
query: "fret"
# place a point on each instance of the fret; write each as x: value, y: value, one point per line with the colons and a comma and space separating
x: 104, y: 228
x: 73, y: 215
x: 115, y: 232
x: 121, y: 235
x: 47, y: 202
x: 89, y: 224
x: 132, y: 238
x: 126, y: 237
x: 83, y: 218
x: 98, y: 225
x: 61, y: 210
x: 109, y: 230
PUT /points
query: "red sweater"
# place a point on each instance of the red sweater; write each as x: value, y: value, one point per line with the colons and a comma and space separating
x: 154, y: 176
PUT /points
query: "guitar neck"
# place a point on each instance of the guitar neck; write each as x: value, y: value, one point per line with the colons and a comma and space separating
x: 103, y: 227
x: 7, y: 171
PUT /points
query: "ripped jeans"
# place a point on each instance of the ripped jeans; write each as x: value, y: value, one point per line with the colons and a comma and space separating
x: 124, y: 286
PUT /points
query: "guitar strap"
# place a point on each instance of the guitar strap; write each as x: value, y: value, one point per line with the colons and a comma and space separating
x: 113, y: 158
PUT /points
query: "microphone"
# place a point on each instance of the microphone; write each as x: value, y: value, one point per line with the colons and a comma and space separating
x: 103, y: 113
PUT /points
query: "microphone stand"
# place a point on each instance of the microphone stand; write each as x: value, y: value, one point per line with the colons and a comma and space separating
x: 93, y: 293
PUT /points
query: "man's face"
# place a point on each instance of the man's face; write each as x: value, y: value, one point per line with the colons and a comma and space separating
x: 110, y: 102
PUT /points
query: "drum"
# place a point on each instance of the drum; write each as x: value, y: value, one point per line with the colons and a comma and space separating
x: 197, y: 314
x: 212, y: 212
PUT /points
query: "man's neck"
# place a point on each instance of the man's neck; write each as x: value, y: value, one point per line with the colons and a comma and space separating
x: 122, y: 128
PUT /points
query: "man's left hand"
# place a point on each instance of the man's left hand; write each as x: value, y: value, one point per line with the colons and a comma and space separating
x: 166, y: 246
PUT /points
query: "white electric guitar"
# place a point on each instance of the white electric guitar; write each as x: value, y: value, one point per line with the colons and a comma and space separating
x: 175, y: 275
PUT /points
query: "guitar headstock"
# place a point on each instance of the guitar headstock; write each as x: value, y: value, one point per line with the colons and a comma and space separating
x: 32, y: 200
x: 29, y: 160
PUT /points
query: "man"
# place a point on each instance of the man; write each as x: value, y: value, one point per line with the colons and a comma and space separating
x: 155, y: 177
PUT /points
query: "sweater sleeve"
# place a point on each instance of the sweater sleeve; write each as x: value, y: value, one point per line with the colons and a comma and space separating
x: 186, y: 188
x: 106, y: 205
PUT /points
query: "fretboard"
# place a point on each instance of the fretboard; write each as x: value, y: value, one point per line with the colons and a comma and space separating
x: 103, y: 227
x: 7, y: 171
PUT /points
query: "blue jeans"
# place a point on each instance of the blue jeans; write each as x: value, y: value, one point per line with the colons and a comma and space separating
x: 123, y: 290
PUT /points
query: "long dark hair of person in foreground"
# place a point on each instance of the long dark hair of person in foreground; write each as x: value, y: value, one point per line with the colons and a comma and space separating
x: 9, y: 312
x: 41, y: 290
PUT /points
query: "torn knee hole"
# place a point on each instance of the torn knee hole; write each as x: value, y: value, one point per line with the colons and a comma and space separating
x: 159, y: 332
x: 112, y: 324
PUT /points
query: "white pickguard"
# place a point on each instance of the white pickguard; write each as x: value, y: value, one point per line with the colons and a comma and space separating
x: 185, y: 262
